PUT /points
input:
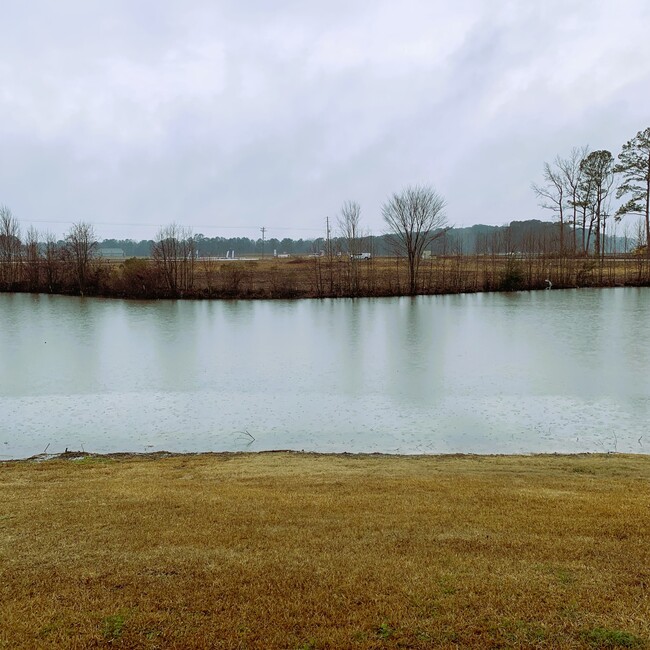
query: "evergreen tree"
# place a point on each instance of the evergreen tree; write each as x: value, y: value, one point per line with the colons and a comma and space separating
x: 634, y: 166
x: 597, y: 179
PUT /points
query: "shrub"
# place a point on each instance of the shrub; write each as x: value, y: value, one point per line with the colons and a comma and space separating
x: 512, y: 277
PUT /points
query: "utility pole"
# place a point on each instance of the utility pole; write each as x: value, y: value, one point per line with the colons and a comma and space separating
x: 329, y: 247
x: 329, y: 255
x: 263, y: 229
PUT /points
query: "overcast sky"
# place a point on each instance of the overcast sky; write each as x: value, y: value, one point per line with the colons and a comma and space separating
x: 228, y: 116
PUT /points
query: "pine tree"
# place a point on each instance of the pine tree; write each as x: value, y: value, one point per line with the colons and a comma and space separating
x: 597, y: 174
x: 634, y: 166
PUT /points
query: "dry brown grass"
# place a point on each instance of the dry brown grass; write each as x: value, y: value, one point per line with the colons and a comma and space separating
x: 385, y: 276
x: 319, y: 277
x: 302, y: 551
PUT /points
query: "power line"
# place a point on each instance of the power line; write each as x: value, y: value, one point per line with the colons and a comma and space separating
x: 151, y: 225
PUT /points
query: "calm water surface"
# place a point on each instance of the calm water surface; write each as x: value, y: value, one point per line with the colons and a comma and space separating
x: 552, y: 371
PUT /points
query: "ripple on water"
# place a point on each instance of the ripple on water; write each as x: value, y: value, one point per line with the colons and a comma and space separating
x: 489, y: 374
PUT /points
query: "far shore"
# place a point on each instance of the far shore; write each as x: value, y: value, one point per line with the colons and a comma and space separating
x: 322, y: 277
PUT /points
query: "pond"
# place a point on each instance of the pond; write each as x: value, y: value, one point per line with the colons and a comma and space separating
x: 548, y: 371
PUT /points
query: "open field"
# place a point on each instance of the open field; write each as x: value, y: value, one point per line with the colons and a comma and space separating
x: 318, y: 277
x: 283, y: 550
x: 315, y: 277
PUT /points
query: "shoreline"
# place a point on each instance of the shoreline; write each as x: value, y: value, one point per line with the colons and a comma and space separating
x: 292, y: 297
x: 305, y: 278
x: 263, y: 298
x: 71, y: 455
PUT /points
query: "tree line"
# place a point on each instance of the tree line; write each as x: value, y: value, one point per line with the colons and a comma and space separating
x: 415, y: 218
x: 579, y: 189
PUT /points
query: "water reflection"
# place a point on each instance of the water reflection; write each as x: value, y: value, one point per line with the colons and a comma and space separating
x: 489, y: 373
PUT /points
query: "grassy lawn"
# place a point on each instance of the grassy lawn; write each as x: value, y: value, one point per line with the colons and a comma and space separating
x: 284, y: 550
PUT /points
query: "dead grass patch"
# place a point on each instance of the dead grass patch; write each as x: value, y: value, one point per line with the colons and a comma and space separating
x: 293, y: 550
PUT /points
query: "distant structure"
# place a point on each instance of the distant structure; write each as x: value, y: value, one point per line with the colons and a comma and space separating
x: 111, y: 253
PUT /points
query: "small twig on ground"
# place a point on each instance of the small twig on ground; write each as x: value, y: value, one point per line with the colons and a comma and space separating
x: 246, y: 433
x: 46, y: 448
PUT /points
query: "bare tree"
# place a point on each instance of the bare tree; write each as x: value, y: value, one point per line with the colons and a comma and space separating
x: 349, y: 228
x: 317, y: 268
x: 350, y: 233
x: 80, y: 245
x: 33, y: 259
x: 585, y: 200
x: 641, y: 236
x: 415, y: 218
x: 52, y: 262
x: 571, y: 175
x: 10, y: 245
x: 552, y: 194
x: 174, y: 254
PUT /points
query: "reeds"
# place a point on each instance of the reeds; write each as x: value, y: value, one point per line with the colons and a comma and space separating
x: 319, y: 277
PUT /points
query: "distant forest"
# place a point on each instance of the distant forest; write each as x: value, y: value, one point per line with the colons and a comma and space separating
x: 516, y: 237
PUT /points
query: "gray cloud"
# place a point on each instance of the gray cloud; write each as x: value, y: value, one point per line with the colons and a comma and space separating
x: 273, y: 114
